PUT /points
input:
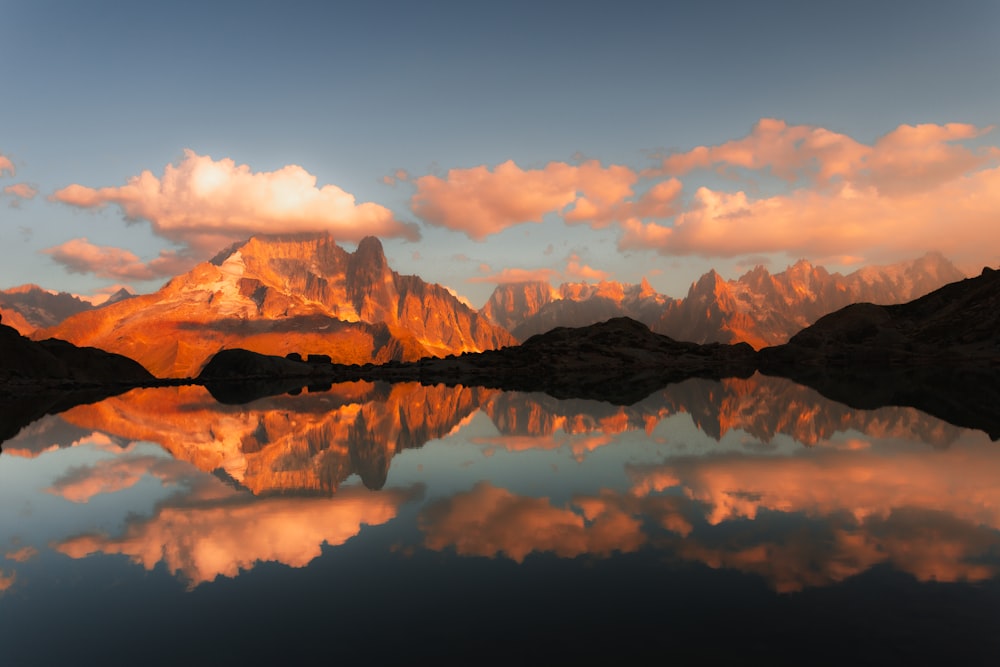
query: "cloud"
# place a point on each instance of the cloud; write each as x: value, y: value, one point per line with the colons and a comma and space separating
x: 6, y: 166
x: 480, y: 202
x: 204, y: 204
x: 788, y: 152
x: 22, y: 555
x: 21, y: 191
x: 575, y: 269
x: 222, y: 533
x: 916, y: 188
x: 82, y: 256
x: 461, y: 298
x: 490, y: 521
x: 957, y: 218
x: 80, y: 484
x: 515, y: 276
x: 398, y: 176
x: 852, y: 481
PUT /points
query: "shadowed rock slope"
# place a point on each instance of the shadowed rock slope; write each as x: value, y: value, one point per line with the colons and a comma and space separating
x: 939, y: 353
x: 49, y: 376
x: 620, y: 361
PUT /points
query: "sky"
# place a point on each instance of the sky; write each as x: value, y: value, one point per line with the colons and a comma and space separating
x: 495, y: 142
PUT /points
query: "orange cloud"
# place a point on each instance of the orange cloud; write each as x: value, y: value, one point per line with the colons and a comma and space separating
x: 80, y: 484
x: 489, y: 521
x: 82, y: 256
x: 957, y: 218
x: 575, y: 269
x: 22, y: 555
x: 6, y: 166
x: 930, y: 546
x: 481, y: 202
x: 916, y: 188
x: 515, y: 276
x: 221, y: 535
x: 855, y: 481
x: 205, y: 203
x: 21, y: 191
x: 789, y: 152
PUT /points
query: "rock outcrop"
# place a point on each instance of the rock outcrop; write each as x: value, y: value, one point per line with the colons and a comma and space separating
x: 49, y: 376
x: 939, y: 353
x: 619, y: 360
x: 52, y: 362
x: 956, y: 324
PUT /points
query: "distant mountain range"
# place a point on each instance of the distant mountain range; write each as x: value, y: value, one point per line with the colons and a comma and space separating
x: 282, y: 294
x: 757, y: 308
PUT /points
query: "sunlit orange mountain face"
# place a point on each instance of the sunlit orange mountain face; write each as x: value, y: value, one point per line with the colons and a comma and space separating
x: 277, y: 295
x: 759, y: 308
x: 306, y: 294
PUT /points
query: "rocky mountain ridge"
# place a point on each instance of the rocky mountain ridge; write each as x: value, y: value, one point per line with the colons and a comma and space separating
x: 29, y: 307
x: 281, y: 294
x: 759, y: 308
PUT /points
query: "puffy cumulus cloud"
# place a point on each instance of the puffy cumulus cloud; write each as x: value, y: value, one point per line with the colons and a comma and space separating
x: 915, y: 158
x: 206, y: 535
x: 915, y: 188
x: 575, y: 269
x: 21, y: 191
x: 82, y: 256
x: 7, y: 580
x: 480, y: 202
x: 957, y: 218
x: 513, y: 275
x: 788, y: 151
x: 489, y: 521
x: 6, y: 166
x: 205, y: 204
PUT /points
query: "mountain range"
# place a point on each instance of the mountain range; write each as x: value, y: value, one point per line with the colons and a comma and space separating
x: 286, y: 294
x: 305, y: 294
x: 758, y: 308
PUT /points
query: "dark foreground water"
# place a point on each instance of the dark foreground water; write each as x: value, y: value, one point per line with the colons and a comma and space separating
x: 711, y: 523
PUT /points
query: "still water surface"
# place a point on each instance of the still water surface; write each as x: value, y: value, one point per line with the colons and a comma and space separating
x: 709, y: 523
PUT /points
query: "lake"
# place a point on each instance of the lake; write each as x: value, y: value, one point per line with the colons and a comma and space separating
x: 711, y: 522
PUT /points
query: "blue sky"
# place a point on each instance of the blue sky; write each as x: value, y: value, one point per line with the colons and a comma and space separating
x: 351, y: 93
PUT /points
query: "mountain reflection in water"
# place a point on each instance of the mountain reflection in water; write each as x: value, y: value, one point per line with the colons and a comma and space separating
x: 757, y: 478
